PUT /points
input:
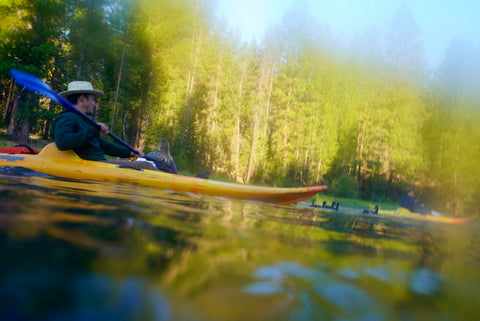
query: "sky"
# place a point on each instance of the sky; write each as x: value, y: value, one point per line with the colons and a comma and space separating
x: 440, y: 21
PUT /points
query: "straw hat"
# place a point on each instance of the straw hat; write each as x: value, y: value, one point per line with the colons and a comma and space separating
x: 80, y: 87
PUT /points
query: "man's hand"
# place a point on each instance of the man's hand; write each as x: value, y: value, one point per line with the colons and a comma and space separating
x: 138, y: 153
x: 103, y: 129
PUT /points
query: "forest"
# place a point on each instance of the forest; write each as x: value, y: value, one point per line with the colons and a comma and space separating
x: 368, y: 117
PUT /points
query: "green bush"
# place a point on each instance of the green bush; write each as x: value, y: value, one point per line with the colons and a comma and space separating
x: 345, y: 186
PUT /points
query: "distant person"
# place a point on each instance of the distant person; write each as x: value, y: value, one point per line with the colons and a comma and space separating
x: 162, y: 158
x: 408, y: 201
x: 72, y: 132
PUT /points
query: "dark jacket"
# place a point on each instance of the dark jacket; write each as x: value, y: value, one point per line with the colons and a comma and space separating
x: 161, y: 164
x: 72, y: 132
x: 409, y: 203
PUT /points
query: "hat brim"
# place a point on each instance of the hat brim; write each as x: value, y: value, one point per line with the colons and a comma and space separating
x: 96, y: 93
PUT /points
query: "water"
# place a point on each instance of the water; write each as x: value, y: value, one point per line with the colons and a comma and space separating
x: 100, y: 251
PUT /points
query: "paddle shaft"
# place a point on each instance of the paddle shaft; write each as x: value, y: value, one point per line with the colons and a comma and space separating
x: 65, y: 103
x: 37, y: 85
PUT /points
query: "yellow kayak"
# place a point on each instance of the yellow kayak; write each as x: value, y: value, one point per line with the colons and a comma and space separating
x: 67, y: 164
x: 400, y: 213
x: 403, y: 212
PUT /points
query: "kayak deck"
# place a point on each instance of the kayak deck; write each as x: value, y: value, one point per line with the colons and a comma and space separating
x: 67, y: 164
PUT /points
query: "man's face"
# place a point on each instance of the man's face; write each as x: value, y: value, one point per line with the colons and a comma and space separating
x: 87, y: 103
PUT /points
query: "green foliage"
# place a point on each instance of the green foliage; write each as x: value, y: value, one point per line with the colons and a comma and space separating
x: 345, y: 186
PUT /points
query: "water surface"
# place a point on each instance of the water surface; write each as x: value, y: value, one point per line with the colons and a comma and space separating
x: 87, y: 250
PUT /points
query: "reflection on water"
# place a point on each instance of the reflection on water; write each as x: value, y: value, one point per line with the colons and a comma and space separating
x: 100, y: 251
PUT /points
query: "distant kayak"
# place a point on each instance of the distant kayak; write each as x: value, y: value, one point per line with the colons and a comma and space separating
x: 67, y: 164
x: 405, y: 213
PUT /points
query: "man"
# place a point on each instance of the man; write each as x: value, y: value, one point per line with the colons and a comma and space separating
x: 73, y: 132
x: 408, y: 201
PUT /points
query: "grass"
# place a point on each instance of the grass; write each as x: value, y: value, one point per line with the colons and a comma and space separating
x: 33, y: 141
x: 354, y: 203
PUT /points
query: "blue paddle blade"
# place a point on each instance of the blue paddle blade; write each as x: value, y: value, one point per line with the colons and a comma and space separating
x: 34, y: 84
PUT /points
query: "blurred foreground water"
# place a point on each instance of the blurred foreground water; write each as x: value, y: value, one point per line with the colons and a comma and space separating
x: 101, y: 251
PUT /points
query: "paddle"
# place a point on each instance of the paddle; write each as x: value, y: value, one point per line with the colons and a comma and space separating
x: 36, y: 85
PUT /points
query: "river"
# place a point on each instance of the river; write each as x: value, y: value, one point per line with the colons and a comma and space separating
x: 86, y: 250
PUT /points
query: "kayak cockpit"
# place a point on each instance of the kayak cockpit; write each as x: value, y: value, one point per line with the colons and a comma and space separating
x: 51, y: 150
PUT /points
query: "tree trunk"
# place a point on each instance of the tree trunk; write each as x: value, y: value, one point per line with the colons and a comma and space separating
x: 269, y: 95
x: 13, y: 119
x: 139, y: 137
x: 8, y: 106
x: 118, y: 87
x: 253, y: 148
x: 25, y: 132
x: 217, y: 86
x: 360, y: 143
x: 237, y: 146
x: 237, y: 127
x: 51, y: 106
x: 319, y: 164
x: 189, y: 90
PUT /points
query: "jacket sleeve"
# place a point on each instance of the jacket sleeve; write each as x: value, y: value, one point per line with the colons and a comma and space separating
x: 174, y: 166
x: 68, y: 135
x: 112, y: 149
